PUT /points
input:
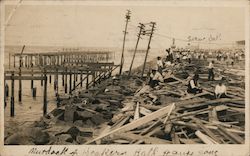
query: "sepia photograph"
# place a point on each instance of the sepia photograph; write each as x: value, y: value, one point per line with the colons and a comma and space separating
x: 124, y: 74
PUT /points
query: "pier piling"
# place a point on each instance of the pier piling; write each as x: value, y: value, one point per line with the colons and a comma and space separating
x: 12, y: 100
x: 45, y: 95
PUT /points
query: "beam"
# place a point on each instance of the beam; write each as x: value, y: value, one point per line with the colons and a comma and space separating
x: 136, y: 123
x: 148, y: 140
x: 25, y: 77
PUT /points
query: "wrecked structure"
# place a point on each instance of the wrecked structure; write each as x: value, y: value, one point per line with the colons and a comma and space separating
x: 125, y: 110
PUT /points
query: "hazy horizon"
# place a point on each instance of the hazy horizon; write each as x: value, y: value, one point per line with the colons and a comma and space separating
x: 102, y: 26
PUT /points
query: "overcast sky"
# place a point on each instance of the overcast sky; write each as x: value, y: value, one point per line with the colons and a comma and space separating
x: 102, y: 26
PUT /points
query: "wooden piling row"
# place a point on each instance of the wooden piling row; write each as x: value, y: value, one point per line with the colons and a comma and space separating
x: 43, y: 66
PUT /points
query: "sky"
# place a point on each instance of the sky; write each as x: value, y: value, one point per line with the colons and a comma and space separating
x: 103, y: 26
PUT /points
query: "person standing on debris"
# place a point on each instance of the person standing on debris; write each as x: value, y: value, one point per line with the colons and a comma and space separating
x: 189, y: 56
x: 220, y: 90
x: 159, y: 64
x: 193, y: 86
x: 155, y: 78
x: 211, y: 71
x: 210, y: 54
x: 169, y: 55
x: 177, y: 57
x: 236, y: 56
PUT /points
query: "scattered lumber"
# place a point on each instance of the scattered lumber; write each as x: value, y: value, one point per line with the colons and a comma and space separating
x: 137, y: 123
x: 129, y: 111
x: 148, y: 140
x: 232, y: 136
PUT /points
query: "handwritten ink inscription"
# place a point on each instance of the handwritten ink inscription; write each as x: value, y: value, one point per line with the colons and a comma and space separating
x: 92, y: 151
x: 49, y: 151
x: 208, y: 38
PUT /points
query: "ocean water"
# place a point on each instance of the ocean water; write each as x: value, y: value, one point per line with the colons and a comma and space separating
x: 31, y: 109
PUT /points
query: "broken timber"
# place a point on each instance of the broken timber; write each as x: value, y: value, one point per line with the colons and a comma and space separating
x: 155, y: 115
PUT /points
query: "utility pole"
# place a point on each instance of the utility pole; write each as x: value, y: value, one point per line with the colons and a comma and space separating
x: 124, y: 38
x: 152, y: 25
x: 141, y: 29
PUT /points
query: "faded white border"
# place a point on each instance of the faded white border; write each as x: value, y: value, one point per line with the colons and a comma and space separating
x: 223, y: 150
x: 2, y: 14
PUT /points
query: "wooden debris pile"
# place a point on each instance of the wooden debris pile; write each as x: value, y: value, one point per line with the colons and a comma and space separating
x: 125, y: 110
x: 168, y: 115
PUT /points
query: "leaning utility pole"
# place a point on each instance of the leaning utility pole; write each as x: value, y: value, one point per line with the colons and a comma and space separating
x: 141, y: 29
x: 124, y: 38
x: 150, y: 37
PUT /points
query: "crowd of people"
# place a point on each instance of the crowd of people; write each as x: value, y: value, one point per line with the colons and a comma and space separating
x: 163, y: 71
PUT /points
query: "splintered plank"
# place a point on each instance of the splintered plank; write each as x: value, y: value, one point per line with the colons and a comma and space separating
x: 210, y: 102
x: 136, y: 123
x: 201, y: 111
x: 138, y: 142
x: 145, y: 111
x: 137, y: 113
x: 226, y: 138
x: 227, y: 125
x: 175, y: 138
x: 154, y: 131
x: 242, y: 110
x: 187, y: 141
x: 165, y: 92
x: 207, y: 131
x: 217, y: 109
x: 152, y: 107
x: 120, y: 123
x: 176, y: 78
x: 196, y: 95
x: 120, y: 141
x: 148, y: 140
x: 206, y: 139
x: 185, y: 103
x: 148, y: 129
x: 232, y: 136
x: 212, y: 115
x: 194, y: 126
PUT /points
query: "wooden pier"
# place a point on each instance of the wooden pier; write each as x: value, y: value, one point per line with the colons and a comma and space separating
x: 74, y: 68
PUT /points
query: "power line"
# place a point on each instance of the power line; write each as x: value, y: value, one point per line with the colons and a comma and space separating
x: 152, y: 25
x: 141, y: 29
x: 127, y: 16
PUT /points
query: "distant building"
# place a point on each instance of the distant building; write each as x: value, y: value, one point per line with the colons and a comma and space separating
x: 240, y: 44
